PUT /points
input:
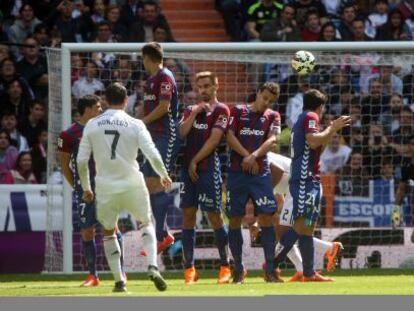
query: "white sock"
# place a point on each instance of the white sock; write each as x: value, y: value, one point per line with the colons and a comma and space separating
x: 113, y: 256
x: 150, y: 243
x: 322, y: 245
x: 296, y: 258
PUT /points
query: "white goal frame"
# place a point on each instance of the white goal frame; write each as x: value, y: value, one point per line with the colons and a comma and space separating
x: 68, y: 48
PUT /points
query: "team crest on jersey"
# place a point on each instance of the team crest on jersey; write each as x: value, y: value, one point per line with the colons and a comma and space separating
x: 262, y: 119
x: 312, y: 124
x: 165, y: 88
x: 222, y: 121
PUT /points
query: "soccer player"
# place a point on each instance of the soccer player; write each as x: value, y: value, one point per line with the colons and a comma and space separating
x: 304, y: 182
x: 161, y: 119
x: 114, y: 138
x: 89, y: 107
x: 279, y: 168
x: 203, y: 125
x: 405, y: 187
x: 253, y: 131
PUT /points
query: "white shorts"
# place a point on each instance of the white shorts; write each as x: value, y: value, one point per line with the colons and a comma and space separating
x: 135, y: 202
x: 285, y: 217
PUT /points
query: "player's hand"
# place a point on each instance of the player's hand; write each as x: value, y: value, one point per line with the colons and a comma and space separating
x: 166, y: 182
x: 87, y: 196
x: 201, y: 107
x: 248, y: 164
x: 192, y: 171
x: 341, y: 122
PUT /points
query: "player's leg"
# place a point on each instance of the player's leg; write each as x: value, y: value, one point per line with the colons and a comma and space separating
x: 107, y: 214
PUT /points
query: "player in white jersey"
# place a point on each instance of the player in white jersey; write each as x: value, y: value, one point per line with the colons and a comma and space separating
x: 279, y: 167
x: 114, y: 139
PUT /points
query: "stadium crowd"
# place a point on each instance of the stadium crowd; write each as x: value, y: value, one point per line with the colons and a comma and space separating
x: 379, y: 98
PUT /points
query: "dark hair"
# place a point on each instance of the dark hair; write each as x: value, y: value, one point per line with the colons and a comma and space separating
x: 8, y: 113
x: 151, y: 3
x: 272, y: 87
x: 391, y: 13
x: 34, y: 103
x: 102, y: 23
x: 87, y: 101
x: 406, y: 109
x: 358, y: 19
x: 312, y: 99
x: 19, y: 157
x: 310, y: 12
x: 7, y: 134
x: 115, y: 94
x: 25, y: 5
x: 346, y: 5
x: 326, y: 25
x: 411, y: 137
x: 15, y: 79
x: 166, y: 27
x: 40, y: 27
x: 154, y: 51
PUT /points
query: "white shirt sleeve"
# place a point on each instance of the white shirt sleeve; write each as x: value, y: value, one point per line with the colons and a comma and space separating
x: 84, y: 154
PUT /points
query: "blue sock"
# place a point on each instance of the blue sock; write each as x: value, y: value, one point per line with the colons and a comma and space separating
x: 188, y: 247
x: 89, y: 250
x: 236, y: 247
x: 307, y: 251
x: 121, y: 245
x: 222, y: 241
x: 159, y: 203
x: 268, y: 243
x: 287, y: 241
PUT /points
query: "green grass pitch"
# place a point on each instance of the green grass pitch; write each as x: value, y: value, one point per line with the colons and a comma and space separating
x: 356, y: 282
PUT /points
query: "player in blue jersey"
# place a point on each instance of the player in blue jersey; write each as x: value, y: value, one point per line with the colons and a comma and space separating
x: 161, y: 119
x: 89, y: 107
x: 203, y: 126
x: 304, y: 181
x: 253, y: 131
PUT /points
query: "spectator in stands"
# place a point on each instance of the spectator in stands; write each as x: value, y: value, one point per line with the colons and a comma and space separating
x: 41, y: 35
x: 122, y: 72
x: 345, y: 25
x: 89, y: 84
x: 376, y: 19
x: 39, y: 156
x: 22, y: 27
x: 334, y: 156
x: 130, y: 11
x: 408, y: 88
x: 104, y: 33
x: 8, y: 154
x: 162, y: 33
x: 283, y: 28
x: 387, y: 168
x: 304, y: 6
x: 23, y: 171
x: 3, y: 34
x: 401, y: 136
x: 374, y: 104
x: 295, y: 104
x: 142, y: 30
x: 137, y: 95
x: 390, y: 119
x: 119, y: 31
x: 98, y: 11
x: 75, y: 115
x: 338, y: 103
x: 77, y: 67
x: 8, y: 74
x: 61, y: 17
x: 190, y: 98
x: 33, y: 123
x: 15, y: 100
x: 376, y: 148
x: 232, y: 16
x: 4, y: 52
x: 328, y: 32
x: 258, y: 14
x: 312, y: 29
x: 33, y: 68
x: 353, y: 177
x: 406, y: 7
x: 358, y: 30
x: 9, y: 123
x: 332, y: 8
x: 394, y: 29
x: 390, y: 82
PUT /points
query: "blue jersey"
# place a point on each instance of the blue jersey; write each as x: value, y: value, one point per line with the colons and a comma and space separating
x: 159, y: 87
x: 305, y: 161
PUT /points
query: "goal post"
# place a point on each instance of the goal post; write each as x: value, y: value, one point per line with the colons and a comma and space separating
x: 226, y: 57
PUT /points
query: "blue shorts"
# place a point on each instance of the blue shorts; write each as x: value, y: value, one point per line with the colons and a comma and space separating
x: 241, y: 187
x: 86, y: 211
x: 306, y: 199
x: 168, y: 148
x: 205, y: 193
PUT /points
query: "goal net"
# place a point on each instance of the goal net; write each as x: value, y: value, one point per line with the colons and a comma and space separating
x: 361, y: 167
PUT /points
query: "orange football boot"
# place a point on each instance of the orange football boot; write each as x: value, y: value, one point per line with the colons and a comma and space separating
x: 224, y: 275
x: 331, y: 256
x: 190, y: 276
x: 91, y: 281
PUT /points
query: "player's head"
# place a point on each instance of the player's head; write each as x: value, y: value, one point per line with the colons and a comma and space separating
x: 267, y: 94
x: 314, y: 100
x: 207, y: 85
x: 116, y: 95
x: 89, y: 106
x: 152, y: 54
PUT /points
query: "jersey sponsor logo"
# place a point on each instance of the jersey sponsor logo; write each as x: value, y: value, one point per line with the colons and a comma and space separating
x: 203, y: 198
x: 200, y: 126
x: 264, y: 201
x: 149, y: 97
x: 165, y: 88
x: 312, y: 124
x: 248, y: 131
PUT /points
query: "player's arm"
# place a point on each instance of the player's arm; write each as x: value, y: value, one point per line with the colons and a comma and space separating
x: 315, y: 139
x: 84, y: 154
x: 231, y: 138
x: 64, y: 161
x: 190, y: 114
x: 251, y: 30
x: 164, y: 101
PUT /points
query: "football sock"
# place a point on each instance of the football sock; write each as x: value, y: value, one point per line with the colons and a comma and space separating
x: 285, y: 245
x: 159, y: 203
x: 89, y: 250
x: 222, y: 242
x: 308, y: 253
x: 236, y: 247
x: 295, y: 257
x: 121, y: 246
x: 322, y: 245
x: 150, y: 244
x: 113, y: 255
x: 268, y: 243
x: 188, y: 247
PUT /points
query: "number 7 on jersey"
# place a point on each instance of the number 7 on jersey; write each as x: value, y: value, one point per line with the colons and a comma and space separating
x: 114, y: 142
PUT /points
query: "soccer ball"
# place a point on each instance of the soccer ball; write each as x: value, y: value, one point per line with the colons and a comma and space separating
x: 303, y: 62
